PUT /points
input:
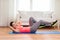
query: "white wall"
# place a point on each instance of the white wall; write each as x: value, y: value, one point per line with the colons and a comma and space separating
x: 57, y: 9
x: 11, y: 11
x: 4, y: 12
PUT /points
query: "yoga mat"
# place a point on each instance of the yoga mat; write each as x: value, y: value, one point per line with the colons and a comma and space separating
x: 38, y: 32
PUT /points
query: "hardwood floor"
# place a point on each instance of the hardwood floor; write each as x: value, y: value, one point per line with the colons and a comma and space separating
x: 4, y: 35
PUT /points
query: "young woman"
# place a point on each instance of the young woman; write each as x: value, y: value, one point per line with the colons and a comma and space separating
x: 16, y: 26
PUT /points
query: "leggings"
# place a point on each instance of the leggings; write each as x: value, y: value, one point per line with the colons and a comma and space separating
x: 34, y: 24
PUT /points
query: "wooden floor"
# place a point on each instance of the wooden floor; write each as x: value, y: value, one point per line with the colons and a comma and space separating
x: 4, y: 35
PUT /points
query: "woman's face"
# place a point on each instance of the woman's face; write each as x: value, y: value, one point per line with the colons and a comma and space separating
x: 16, y: 25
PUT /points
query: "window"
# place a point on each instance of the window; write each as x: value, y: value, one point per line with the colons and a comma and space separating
x: 40, y: 5
x: 33, y: 5
x: 23, y: 5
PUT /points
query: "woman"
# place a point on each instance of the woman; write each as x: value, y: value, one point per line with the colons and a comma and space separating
x: 16, y: 27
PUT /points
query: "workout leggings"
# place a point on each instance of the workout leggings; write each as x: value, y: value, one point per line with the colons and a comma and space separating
x: 34, y: 24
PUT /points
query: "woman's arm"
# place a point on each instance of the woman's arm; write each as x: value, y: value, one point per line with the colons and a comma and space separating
x: 13, y: 29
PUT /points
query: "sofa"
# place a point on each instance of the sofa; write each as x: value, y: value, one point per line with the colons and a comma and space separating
x: 37, y: 15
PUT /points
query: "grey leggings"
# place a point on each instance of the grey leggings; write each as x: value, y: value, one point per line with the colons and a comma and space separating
x: 34, y: 25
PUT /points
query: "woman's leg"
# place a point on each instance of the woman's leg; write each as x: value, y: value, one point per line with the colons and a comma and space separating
x: 32, y: 21
x: 46, y: 23
x: 35, y: 26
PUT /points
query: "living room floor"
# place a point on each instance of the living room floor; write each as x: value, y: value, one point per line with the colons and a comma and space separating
x: 4, y: 35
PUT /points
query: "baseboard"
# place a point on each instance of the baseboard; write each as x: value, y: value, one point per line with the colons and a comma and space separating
x: 3, y: 26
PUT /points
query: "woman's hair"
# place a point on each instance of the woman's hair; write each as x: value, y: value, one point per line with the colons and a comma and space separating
x: 11, y: 23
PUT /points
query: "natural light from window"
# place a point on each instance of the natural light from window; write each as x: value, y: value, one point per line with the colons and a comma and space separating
x: 41, y: 5
x: 33, y: 5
